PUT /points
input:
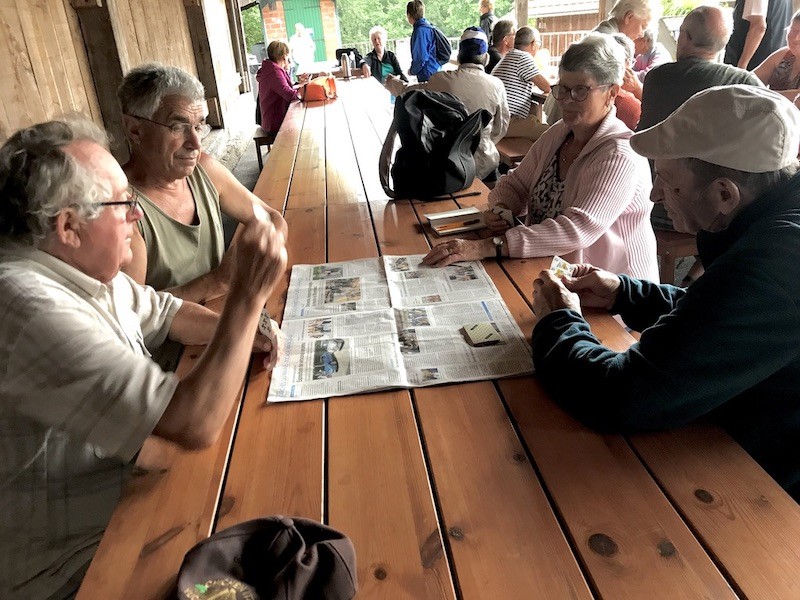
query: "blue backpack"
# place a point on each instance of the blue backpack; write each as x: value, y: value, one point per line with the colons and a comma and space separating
x: 442, y: 45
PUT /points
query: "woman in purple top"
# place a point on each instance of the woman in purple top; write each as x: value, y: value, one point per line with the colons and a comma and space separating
x: 275, y: 90
x: 781, y: 71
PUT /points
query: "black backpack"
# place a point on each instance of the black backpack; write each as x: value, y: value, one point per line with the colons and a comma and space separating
x: 437, y: 142
x: 442, y: 45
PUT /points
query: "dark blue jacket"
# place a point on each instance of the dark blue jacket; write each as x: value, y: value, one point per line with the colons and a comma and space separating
x: 423, y: 51
x: 727, y: 348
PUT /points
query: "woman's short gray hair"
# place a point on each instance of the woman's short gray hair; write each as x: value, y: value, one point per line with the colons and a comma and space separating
x: 599, y: 55
x: 642, y: 9
x: 144, y: 88
x: 378, y: 30
x: 626, y: 44
x: 38, y: 179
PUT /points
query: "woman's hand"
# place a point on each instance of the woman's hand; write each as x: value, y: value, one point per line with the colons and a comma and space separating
x: 365, y: 70
x: 495, y: 223
x: 452, y: 251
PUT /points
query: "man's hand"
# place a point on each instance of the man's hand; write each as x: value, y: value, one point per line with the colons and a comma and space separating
x: 549, y: 294
x: 457, y: 250
x: 595, y: 287
x: 260, y: 257
x: 273, y: 345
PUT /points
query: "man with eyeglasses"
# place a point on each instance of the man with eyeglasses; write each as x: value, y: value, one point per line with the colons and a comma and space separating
x: 502, y: 42
x: 179, y: 243
x: 79, y: 392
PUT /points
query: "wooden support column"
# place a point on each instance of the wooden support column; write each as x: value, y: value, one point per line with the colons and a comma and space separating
x: 237, y: 42
x: 106, y: 67
x: 198, y: 32
x: 521, y: 9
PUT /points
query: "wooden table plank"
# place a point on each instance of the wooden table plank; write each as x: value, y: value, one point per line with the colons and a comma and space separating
x: 380, y: 496
x: 342, y: 174
x: 632, y: 541
x: 751, y: 526
x: 491, y: 500
x: 308, y: 179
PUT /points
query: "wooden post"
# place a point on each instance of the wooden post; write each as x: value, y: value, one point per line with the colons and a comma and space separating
x: 237, y: 43
x: 521, y: 8
x: 198, y: 32
x: 106, y: 67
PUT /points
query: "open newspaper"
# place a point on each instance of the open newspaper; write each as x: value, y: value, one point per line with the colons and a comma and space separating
x: 376, y: 323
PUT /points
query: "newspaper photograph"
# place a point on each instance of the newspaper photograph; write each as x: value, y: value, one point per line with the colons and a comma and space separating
x: 385, y: 328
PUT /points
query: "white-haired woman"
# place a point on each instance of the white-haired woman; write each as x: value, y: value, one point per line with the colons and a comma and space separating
x: 381, y: 62
x: 630, y: 17
x: 584, y: 193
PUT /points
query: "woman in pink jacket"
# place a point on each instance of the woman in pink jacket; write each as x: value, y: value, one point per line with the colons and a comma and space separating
x: 275, y: 91
x: 583, y: 192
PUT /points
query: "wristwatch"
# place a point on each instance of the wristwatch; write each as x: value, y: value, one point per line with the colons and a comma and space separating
x: 498, y: 246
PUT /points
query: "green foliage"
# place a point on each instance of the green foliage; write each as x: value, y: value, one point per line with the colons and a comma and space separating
x: 357, y: 17
x: 676, y: 8
x: 253, y: 31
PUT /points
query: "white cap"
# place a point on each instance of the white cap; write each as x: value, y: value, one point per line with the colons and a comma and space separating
x: 741, y: 127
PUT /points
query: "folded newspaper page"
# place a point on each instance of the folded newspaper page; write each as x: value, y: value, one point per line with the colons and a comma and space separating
x: 377, y: 323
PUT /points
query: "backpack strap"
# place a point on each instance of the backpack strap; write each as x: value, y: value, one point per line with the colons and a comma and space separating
x: 384, y: 162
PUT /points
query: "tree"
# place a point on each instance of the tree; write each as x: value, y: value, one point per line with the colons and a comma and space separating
x: 357, y: 17
x: 253, y: 29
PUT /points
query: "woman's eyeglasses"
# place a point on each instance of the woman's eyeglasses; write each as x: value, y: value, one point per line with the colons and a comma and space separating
x: 579, y: 93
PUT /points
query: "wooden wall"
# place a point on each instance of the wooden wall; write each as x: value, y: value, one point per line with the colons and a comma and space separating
x: 63, y: 56
x: 44, y: 72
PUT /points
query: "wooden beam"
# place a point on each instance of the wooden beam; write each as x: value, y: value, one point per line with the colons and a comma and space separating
x: 237, y: 42
x: 106, y: 67
x: 198, y: 33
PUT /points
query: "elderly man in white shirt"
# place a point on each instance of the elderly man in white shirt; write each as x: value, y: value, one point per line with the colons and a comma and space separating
x: 477, y: 90
x: 79, y: 393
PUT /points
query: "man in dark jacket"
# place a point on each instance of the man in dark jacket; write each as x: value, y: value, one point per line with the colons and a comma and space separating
x: 725, y: 348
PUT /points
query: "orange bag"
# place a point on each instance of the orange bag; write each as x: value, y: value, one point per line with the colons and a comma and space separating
x: 319, y: 88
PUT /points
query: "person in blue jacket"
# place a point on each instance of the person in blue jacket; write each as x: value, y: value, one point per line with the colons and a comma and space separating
x: 423, y: 44
x: 728, y: 347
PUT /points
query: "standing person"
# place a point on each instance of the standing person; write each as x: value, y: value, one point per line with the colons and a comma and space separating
x: 649, y: 54
x: 759, y: 27
x: 477, y: 90
x: 302, y: 47
x: 781, y: 70
x: 381, y: 62
x: 488, y: 20
x: 79, y: 393
x: 582, y: 190
x: 519, y: 73
x: 423, y: 44
x: 275, y: 89
x: 628, y: 103
x: 724, y: 349
x: 502, y: 42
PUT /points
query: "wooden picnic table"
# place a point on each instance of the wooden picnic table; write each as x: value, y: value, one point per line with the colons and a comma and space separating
x: 484, y: 490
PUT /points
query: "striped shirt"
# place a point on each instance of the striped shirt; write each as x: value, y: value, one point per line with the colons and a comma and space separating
x: 78, y: 397
x: 515, y: 70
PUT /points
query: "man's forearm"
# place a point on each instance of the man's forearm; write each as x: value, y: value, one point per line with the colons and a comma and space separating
x: 193, y: 325
x: 201, y: 289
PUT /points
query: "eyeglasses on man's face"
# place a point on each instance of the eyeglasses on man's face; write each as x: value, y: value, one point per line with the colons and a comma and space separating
x: 182, y: 129
x: 579, y: 93
x: 131, y: 201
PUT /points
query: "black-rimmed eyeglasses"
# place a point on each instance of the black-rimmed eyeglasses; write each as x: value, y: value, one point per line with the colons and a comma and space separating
x: 181, y: 129
x: 132, y: 201
x: 579, y: 93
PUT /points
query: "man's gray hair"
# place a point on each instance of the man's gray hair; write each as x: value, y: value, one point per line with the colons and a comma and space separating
x: 502, y: 28
x: 599, y: 55
x: 144, y: 88
x: 649, y: 37
x: 708, y: 28
x: 642, y: 9
x: 524, y: 37
x: 753, y: 183
x: 38, y: 179
x: 626, y: 44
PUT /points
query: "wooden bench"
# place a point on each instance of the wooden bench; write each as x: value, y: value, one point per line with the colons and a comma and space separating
x: 263, y: 138
x: 671, y: 245
x: 513, y: 149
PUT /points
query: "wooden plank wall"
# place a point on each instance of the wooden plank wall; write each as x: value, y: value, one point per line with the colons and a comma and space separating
x: 45, y: 71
